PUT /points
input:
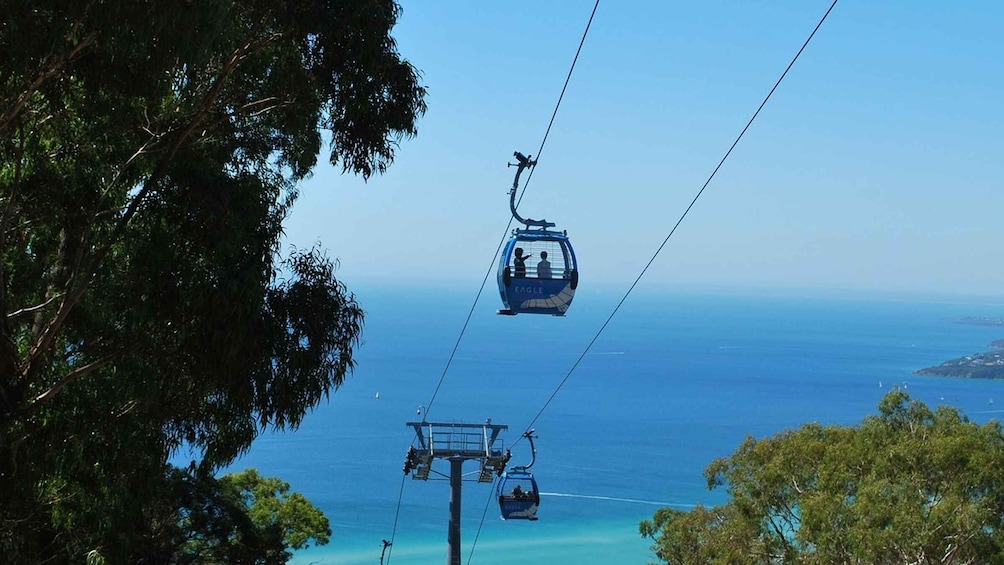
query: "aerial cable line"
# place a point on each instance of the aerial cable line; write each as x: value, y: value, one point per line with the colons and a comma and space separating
x: 553, y: 115
x: 389, y: 547
x: 488, y: 503
x: 678, y: 222
x: 505, y: 234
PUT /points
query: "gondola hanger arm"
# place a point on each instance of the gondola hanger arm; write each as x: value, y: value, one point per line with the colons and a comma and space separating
x: 533, y: 450
x: 524, y: 162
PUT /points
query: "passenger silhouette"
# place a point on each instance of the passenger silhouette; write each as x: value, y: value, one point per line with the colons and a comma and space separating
x: 519, y: 260
x: 543, y: 267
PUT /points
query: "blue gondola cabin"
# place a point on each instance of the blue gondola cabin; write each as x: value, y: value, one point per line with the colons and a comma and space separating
x: 537, y: 273
x: 519, y: 498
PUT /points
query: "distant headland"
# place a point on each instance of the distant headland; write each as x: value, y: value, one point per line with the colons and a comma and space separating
x: 989, y: 365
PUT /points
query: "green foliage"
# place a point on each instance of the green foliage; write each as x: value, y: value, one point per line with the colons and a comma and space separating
x: 910, y: 485
x: 238, y: 518
x: 193, y: 517
x: 149, y: 153
x: 272, y: 506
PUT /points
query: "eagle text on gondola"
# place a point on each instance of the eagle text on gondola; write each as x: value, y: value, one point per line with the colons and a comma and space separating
x: 528, y: 290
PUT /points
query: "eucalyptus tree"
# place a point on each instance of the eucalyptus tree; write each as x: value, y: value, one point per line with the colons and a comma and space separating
x: 149, y: 153
x: 910, y: 485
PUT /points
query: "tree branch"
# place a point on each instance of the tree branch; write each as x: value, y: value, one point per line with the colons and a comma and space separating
x: 4, y: 219
x: 47, y: 336
x: 70, y: 377
x: 32, y: 309
x: 214, y: 92
x: 127, y: 408
x: 51, y: 67
x: 255, y: 109
x: 81, y: 276
x: 794, y: 484
x: 82, y: 272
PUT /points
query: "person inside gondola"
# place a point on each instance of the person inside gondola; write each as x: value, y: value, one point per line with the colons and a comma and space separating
x: 543, y: 267
x: 518, y: 493
x: 519, y: 261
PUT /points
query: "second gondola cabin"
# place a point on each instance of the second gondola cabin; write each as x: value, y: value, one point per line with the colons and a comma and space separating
x: 518, y: 495
x: 537, y: 273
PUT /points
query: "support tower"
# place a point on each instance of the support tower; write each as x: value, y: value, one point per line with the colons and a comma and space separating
x: 456, y: 443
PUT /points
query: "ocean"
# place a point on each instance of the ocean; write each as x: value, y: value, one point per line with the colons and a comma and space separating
x: 676, y: 380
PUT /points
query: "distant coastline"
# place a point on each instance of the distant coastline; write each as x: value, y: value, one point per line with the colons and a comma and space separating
x: 989, y: 365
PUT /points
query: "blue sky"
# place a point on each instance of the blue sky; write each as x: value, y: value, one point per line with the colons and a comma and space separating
x: 877, y: 166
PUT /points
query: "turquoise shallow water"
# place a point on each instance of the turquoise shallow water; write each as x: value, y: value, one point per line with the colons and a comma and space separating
x: 675, y: 381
